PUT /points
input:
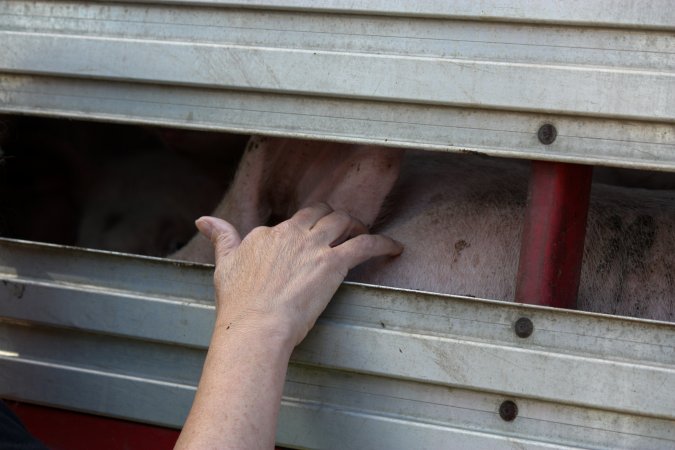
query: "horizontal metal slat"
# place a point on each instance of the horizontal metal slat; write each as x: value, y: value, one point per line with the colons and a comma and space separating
x: 398, y: 363
x: 130, y: 398
x: 105, y: 373
x: 600, y: 13
x: 497, y: 133
x: 434, y: 408
x: 366, y: 34
x: 477, y: 84
x: 324, y: 71
x: 105, y: 380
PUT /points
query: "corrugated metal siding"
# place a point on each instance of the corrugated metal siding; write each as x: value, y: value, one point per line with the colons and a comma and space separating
x: 126, y: 336
x: 446, y: 76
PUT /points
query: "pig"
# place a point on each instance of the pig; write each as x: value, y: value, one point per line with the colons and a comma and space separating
x: 460, y: 218
x: 276, y: 177
x: 145, y: 203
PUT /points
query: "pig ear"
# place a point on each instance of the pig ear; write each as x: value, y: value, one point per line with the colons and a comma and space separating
x: 368, y: 175
x: 353, y: 178
x: 278, y: 176
x: 245, y: 204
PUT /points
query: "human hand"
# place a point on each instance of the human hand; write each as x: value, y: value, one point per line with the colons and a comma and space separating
x: 284, y: 276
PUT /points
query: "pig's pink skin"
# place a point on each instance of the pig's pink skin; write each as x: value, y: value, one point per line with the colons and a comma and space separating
x: 276, y: 177
x: 460, y: 223
x: 460, y: 220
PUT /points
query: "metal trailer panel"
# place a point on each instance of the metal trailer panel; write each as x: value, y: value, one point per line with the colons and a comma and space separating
x: 432, y: 76
x: 640, y: 13
x: 125, y: 336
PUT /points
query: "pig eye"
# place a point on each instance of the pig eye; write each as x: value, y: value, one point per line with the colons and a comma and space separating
x: 111, y: 221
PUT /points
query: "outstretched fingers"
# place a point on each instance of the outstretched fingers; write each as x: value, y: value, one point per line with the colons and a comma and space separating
x: 365, y: 246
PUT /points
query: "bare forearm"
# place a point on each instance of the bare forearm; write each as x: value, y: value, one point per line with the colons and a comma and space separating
x: 270, y: 289
x: 239, y: 394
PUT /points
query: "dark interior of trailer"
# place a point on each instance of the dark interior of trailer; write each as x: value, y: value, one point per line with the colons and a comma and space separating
x: 67, y: 181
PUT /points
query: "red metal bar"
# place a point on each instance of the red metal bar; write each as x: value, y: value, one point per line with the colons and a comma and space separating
x: 59, y: 429
x: 552, y: 242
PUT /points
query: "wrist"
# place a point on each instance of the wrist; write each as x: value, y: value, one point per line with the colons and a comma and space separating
x: 252, y: 329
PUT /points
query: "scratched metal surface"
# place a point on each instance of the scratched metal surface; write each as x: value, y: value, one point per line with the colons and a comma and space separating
x: 125, y: 336
x: 457, y: 76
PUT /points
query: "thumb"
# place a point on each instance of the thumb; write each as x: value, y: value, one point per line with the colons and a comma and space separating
x: 223, y: 235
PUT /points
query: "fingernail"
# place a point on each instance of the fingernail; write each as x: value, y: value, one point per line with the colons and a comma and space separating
x: 204, y: 226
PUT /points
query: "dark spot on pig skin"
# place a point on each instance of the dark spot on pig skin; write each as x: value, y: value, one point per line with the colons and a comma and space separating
x: 614, y: 223
x: 459, y: 246
x: 629, y: 245
x: 625, y: 251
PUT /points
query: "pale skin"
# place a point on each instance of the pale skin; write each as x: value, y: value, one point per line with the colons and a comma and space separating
x: 270, y: 289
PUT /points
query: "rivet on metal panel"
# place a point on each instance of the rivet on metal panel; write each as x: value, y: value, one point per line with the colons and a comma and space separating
x: 523, y: 327
x: 547, y: 134
x: 508, y: 410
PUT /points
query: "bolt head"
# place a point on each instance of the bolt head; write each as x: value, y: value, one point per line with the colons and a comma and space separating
x: 523, y: 327
x: 547, y: 134
x: 508, y: 410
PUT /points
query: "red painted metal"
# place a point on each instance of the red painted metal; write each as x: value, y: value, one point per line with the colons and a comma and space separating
x: 552, y: 242
x: 59, y: 429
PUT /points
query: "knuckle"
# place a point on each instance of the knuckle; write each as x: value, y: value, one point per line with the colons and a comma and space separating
x: 343, y: 215
x: 223, y: 239
x: 322, y: 206
x: 259, y: 231
x: 285, y: 231
x: 366, y: 242
x: 326, y: 256
x: 283, y: 228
